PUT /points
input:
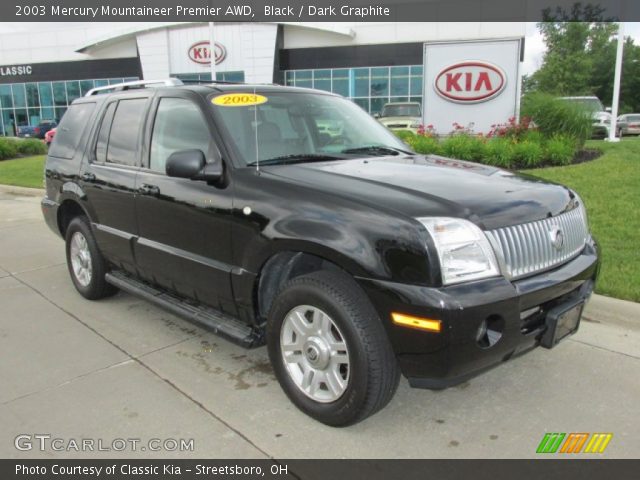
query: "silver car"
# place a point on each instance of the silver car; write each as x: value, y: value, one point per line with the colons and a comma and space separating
x: 628, y: 124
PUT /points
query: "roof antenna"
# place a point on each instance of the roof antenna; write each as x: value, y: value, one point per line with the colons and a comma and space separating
x: 255, y: 122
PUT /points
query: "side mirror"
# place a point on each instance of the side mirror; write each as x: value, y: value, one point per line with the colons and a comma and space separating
x: 608, y: 109
x: 376, y: 115
x: 192, y: 164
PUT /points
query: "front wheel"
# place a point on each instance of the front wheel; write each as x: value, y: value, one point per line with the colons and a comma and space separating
x: 86, y: 264
x: 329, y: 349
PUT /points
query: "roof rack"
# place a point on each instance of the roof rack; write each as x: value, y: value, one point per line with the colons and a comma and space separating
x: 169, y: 82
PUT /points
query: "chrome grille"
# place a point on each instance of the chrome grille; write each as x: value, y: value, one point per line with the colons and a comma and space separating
x: 528, y: 248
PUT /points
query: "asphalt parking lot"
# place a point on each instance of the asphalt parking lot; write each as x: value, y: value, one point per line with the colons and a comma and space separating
x: 122, y: 368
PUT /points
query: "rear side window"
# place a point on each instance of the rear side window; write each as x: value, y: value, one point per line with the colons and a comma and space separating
x: 103, y: 135
x: 179, y: 125
x: 71, y: 128
x: 123, y: 138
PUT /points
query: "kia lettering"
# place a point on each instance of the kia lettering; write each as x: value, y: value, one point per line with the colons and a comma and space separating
x: 200, y: 52
x: 470, y: 82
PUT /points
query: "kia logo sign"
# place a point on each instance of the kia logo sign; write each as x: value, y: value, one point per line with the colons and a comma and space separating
x: 470, y: 82
x: 201, y: 53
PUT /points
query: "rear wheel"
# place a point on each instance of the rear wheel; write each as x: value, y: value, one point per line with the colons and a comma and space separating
x: 86, y: 264
x: 329, y: 349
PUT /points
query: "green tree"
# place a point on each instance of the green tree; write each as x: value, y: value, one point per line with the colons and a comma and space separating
x: 580, y: 57
x: 568, y: 62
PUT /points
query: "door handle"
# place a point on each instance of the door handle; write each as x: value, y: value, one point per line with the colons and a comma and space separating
x: 88, y: 177
x: 147, y: 189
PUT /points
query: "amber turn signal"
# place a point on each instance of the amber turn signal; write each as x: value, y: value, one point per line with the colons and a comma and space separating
x: 427, y: 324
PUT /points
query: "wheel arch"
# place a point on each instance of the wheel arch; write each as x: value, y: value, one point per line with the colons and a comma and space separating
x: 69, y: 209
x: 281, y: 267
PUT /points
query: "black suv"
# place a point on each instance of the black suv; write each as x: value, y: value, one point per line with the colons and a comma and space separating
x: 291, y: 217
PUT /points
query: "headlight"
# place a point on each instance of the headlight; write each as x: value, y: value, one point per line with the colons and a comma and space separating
x: 463, y: 249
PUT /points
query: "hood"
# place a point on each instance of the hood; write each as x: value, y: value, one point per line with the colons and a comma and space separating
x: 408, y: 120
x: 435, y: 186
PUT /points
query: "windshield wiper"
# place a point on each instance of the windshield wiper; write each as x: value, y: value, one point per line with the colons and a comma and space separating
x: 295, y: 158
x: 377, y: 150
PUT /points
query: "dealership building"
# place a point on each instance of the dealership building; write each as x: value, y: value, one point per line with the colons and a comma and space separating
x: 457, y: 71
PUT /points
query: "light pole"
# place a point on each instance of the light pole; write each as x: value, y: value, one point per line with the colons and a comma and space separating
x: 616, y: 85
x: 212, y: 51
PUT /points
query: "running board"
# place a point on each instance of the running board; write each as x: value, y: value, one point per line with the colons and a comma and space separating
x: 219, y: 323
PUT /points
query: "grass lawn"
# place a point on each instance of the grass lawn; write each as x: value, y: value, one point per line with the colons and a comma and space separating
x: 610, y: 188
x: 23, y: 172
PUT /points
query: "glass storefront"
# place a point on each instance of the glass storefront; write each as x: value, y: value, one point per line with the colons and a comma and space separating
x: 369, y: 87
x: 29, y: 103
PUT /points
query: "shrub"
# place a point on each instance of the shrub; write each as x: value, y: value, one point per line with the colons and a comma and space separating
x: 560, y: 150
x: 528, y: 154
x: 464, y: 147
x: 499, y: 152
x: 8, y: 148
x: 404, y: 135
x: 533, y: 135
x: 512, y: 129
x: 553, y: 116
x: 424, y: 144
x: 31, y: 146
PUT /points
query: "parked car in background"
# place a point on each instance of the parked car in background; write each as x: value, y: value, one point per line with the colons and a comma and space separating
x: 601, y: 117
x: 401, y: 116
x: 628, y: 124
x: 37, y: 131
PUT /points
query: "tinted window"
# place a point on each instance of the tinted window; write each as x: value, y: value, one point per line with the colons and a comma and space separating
x: 103, y: 135
x: 70, y: 130
x: 179, y: 125
x: 123, y: 139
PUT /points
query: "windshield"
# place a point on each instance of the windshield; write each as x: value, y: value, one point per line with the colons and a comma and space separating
x: 592, y: 104
x: 407, y: 110
x: 301, y: 125
x: 633, y: 118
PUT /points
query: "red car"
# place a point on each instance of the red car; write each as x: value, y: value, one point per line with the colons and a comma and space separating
x: 48, y: 137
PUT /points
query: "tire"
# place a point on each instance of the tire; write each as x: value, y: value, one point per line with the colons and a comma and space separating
x: 370, y: 377
x: 82, y: 251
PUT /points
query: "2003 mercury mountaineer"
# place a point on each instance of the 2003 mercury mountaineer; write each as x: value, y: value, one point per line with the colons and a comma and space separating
x: 353, y: 258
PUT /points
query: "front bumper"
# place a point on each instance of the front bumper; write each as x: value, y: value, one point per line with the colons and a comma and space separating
x: 516, y: 312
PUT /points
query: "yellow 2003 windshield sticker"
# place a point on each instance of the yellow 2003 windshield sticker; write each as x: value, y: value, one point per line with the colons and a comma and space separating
x: 239, y: 99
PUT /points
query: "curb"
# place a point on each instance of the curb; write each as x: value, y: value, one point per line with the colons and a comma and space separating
x: 23, y: 191
x: 608, y: 310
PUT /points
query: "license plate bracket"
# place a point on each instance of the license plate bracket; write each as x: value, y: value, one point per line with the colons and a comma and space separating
x: 561, y: 322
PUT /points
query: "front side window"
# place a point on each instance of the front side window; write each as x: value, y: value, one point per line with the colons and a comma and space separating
x: 123, y: 139
x: 179, y: 125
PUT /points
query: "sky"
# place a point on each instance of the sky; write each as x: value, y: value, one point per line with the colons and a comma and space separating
x: 534, y: 45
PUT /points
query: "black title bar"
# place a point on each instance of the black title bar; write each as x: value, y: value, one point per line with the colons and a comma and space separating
x: 547, y: 469
x: 311, y: 10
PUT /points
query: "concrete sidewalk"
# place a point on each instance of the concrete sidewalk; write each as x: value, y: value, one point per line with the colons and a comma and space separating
x: 122, y: 368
